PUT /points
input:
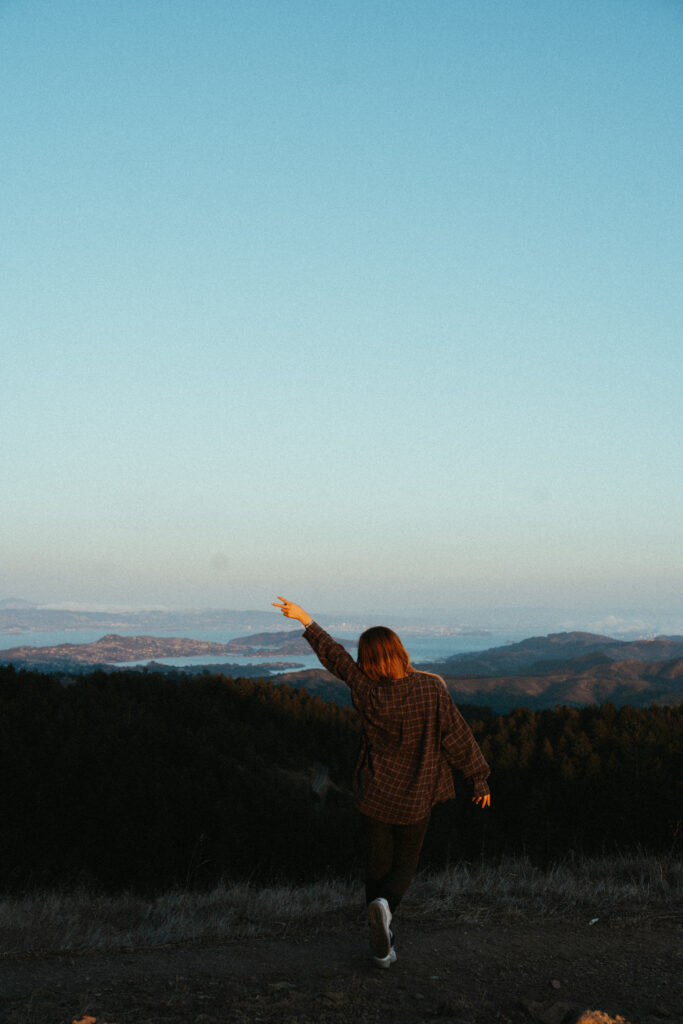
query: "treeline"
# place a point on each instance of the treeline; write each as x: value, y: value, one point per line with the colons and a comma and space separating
x: 141, y: 781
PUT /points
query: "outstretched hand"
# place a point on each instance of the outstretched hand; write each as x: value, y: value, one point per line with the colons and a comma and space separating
x: 483, y: 801
x: 293, y: 611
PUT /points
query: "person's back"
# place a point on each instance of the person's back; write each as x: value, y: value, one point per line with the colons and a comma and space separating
x: 413, y: 735
x: 402, y: 771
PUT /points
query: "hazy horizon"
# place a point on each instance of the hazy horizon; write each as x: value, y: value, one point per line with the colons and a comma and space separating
x: 622, y: 622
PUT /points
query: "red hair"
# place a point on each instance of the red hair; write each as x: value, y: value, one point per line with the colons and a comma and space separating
x: 381, y: 655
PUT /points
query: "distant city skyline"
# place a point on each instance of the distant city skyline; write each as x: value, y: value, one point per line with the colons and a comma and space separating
x: 374, y: 305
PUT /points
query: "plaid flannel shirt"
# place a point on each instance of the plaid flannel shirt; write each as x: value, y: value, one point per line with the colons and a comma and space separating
x: 413, y: 735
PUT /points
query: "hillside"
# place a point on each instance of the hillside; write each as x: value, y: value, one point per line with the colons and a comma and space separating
x: 635, y: 683
x: 575, y: 683
x: 536, y: 652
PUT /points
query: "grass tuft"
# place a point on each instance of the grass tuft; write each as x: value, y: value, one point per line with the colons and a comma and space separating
x: 638, y: 887
x: 633, y: 886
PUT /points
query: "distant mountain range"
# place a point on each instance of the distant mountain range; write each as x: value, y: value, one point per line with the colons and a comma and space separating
x: 543, y: 671
x: 540, y: 672
x: 568, y: 668
x: 539, y: 654
x: 15, y: 604
x: 637, y: 684
x: 17, y: 616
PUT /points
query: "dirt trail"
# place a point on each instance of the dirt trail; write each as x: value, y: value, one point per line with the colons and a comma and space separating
x: 510, y: 973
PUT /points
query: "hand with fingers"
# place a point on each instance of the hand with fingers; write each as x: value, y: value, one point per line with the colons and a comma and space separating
x: 293, y: 611
x: 483, y: 801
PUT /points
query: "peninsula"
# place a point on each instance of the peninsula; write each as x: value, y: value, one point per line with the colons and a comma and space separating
x: 115, y: 649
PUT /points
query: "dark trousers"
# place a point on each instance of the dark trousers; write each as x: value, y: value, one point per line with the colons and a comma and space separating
x: 391, y: 856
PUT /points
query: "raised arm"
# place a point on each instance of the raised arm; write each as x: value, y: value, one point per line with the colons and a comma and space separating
x: 331, y: 655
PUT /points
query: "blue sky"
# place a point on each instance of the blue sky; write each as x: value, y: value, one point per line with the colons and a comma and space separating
x: 374, y: 304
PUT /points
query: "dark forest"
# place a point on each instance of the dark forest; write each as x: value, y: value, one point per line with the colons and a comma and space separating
x: 141, y: 781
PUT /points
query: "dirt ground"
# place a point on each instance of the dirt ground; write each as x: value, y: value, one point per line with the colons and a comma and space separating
x: 513, y: 972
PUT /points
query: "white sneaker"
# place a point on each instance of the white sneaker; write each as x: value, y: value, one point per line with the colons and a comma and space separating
x: 386, y: 961
x: 379, y: 919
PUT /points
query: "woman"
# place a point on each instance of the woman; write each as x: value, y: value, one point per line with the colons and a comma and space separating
x: 413, y: 735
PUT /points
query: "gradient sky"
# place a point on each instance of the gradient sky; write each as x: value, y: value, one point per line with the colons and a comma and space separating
x: 374, y: 304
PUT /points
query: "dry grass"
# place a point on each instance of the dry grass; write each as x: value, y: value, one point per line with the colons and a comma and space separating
x: 80, y: 920
x: 634, y: 887
x: 627, y: 888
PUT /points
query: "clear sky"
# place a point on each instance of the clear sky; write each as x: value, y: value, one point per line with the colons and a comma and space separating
x: 374, y: 304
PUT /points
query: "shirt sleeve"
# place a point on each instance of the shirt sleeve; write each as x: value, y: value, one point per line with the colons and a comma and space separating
x: 332, y: 656
x: 460, y: 747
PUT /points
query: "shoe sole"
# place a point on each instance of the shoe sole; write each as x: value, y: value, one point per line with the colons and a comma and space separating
x: 380, y: 941
x: 386, y: 961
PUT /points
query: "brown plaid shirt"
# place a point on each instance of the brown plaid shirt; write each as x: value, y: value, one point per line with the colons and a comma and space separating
x: 413, y: 734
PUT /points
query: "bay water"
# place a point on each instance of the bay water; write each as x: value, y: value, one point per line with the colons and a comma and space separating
x: 422, y: 647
